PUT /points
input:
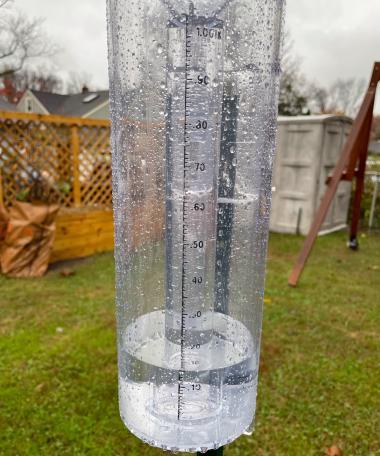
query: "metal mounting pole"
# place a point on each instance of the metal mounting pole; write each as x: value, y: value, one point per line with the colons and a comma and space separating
x: 360, y: 180
x: 218, y: 452
x: 376, y: 180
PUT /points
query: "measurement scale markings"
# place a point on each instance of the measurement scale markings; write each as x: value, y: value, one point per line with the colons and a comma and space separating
x: 185, y: 244
x: 193, y: 250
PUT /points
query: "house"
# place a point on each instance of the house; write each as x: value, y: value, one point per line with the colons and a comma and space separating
x: 89, y: 105
x: 5, y: 106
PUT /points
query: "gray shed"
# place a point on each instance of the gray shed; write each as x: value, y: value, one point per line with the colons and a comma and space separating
x: 308, y: 148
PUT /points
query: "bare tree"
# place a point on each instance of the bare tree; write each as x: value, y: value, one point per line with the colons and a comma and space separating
x: 343, y: 97
x: 318, y: 99
x: 4, y: 2
x: 346, y: 95
x: 298, y: 96
x: 41, y: 78
x: 21, y: 40
x: 76, y: 82
x: 293, y: 95
x: 290, y: 61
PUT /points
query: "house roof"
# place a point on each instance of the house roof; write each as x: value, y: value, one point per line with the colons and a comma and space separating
x: 5, y: 106
x: 50, y: 101
x: 76, y: 105
x: 82, y: 103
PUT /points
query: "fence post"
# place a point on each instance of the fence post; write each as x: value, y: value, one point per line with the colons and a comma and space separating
x: 2, y: 204
x: 75, y: 162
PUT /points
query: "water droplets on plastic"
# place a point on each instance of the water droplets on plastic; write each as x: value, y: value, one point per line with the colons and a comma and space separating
x: 193, y: 96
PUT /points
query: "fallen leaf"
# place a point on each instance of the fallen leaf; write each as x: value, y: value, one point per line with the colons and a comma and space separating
x: 39, y: 388
x: 334, y: 451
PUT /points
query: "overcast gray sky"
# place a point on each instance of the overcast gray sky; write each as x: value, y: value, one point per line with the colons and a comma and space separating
x: 334, y: 38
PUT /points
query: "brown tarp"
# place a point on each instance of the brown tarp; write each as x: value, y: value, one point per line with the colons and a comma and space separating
x: 29, y: 238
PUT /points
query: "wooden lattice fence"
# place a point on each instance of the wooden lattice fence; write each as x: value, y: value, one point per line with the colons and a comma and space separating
x: 71, y: 154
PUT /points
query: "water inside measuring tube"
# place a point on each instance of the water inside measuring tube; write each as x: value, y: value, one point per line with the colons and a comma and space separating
x: 214, y: 409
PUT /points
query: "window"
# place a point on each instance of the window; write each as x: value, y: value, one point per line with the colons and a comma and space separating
x: 29, y: 105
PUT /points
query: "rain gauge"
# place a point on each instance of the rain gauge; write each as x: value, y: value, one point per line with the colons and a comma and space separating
x: 193, y: 107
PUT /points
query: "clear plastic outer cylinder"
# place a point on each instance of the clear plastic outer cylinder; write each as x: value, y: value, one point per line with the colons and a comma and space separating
x: 193, y: 108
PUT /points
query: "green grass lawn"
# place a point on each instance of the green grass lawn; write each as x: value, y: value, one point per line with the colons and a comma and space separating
x: 319, y: 376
